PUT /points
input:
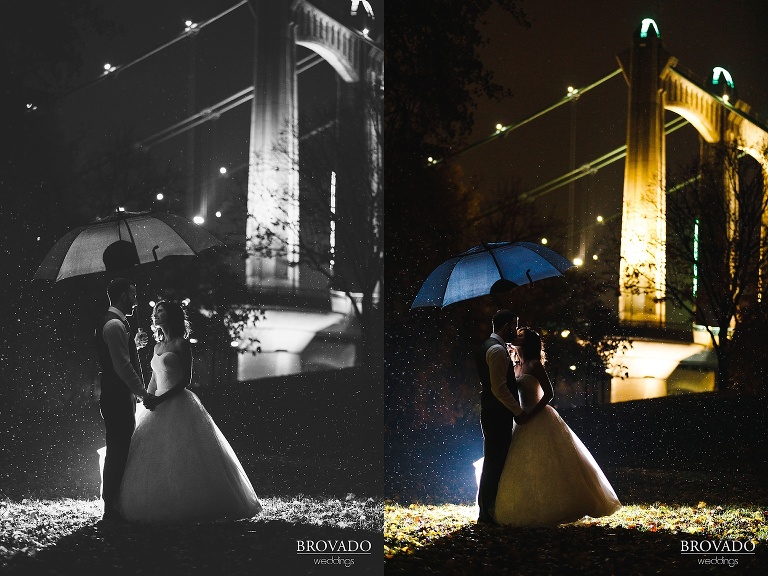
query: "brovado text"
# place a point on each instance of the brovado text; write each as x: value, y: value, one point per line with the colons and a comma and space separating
x: 335, y: 546
x: 706, y: 546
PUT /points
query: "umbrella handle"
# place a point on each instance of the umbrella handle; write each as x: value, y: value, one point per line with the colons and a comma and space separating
x: 154, y: 253
x: 528, y: 274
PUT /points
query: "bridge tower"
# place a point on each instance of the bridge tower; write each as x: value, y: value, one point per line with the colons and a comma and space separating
x: 657, y: 83
x: 643, y: 233
x: 273, y: 178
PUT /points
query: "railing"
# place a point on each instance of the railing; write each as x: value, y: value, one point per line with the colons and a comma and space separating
x: 315, y: 27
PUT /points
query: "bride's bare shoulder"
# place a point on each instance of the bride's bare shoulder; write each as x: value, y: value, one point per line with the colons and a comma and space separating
x: 179, y: 346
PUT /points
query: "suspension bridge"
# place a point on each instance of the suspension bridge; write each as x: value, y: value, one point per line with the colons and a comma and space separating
x: 657, y: 82
x: 302, y: 265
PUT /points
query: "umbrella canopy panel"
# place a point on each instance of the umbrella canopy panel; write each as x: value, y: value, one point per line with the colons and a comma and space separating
x: 80, y: 251
x: 474, y: 272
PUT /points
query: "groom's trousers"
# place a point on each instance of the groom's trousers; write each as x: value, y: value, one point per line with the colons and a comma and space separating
x: 118, y: 412
x: 496, y: 422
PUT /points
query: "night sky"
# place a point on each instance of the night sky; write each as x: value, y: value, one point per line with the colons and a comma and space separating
x: 575, y: 43
x: 181, y: 80
x: 169, y: 86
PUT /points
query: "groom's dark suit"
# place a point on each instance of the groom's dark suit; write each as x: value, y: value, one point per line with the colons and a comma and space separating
x: 496, y: 420
x: 117, y: 402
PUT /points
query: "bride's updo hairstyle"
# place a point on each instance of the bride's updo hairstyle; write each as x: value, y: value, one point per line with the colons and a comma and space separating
x: 178, y: 323
x: 531, y: 344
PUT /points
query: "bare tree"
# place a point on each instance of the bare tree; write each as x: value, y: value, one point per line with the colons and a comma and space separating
x: 717, y: 245
x: 335, y: 238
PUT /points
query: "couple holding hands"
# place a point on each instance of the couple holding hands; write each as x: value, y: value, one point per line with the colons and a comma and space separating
x: 171, y: 463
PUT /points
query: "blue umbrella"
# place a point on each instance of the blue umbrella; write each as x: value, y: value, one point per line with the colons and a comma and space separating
x: 476, y: 271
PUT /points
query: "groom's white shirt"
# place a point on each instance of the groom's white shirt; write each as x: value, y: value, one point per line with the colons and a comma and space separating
x: 497, y: 358
x: 117, y: 339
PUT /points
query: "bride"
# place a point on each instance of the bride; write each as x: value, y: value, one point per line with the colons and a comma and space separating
x: 549, y: 476
x: 180, y: 467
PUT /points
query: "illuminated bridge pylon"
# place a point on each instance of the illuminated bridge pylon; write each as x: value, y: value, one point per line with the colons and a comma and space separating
x: 657, y: 83
x: 273, y: 175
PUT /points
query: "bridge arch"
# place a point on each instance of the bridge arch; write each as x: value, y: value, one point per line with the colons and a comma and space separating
x: 658, y: 83
x: 334, y: 42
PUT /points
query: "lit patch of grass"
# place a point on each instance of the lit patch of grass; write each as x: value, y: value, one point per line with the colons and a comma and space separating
x: 39, y: 523
x: 30, y: 525
x: 716, y: 522
x: 410, y: 527
x: 349, y: 513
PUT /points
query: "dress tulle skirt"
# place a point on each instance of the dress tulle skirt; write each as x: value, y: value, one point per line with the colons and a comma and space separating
x: 181, y: 469
x: 550, y: 477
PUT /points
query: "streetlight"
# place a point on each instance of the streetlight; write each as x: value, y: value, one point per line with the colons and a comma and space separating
x: 223, y: 170
x: 198, y: 219
x: 160, y: 196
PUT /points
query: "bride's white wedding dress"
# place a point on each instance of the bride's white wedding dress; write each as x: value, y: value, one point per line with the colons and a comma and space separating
x: 549, y: 476
x: 180, y: 467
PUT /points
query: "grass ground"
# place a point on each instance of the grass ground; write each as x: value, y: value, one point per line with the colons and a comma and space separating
x: 306, y: 444
x: 686, y: 469
x: 62, y: 537
x: 644, y: 537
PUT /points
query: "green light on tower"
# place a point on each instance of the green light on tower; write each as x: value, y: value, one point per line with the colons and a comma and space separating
x: 646, y: 25
x: 719, y: 71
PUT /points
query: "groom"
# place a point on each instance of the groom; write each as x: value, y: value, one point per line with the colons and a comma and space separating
x: 120, y: 381
x: 498, y: 408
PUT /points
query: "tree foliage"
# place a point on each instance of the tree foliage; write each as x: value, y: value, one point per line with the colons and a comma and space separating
x: 717, y: 246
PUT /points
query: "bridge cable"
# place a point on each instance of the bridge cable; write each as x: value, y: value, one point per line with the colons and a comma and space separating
x: 586, y: 169
x: 212, y: 112
x: 504, y: 130
x: 186, y: 34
